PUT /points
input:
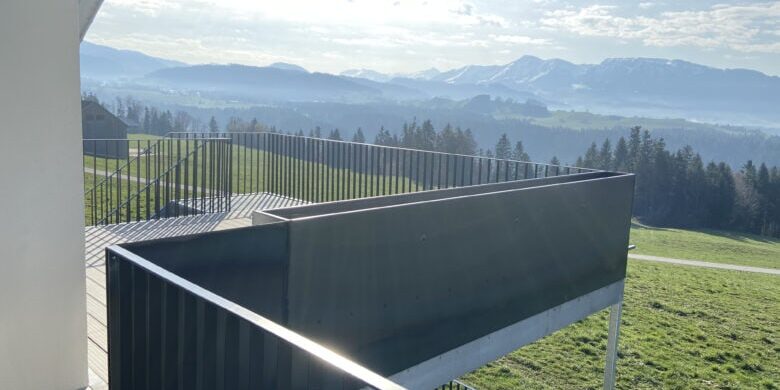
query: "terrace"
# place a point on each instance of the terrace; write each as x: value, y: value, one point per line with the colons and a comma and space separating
x: 279, y: 261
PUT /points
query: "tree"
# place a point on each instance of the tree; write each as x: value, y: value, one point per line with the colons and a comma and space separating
x: 605, y: 155
x: 255, y: 127
x: 620, y: 161
x: 183, y: 122
x: 503, y: 147
x: 359, y: 137
x: 147, y: 124
x: 213, y: 126
x: 634, y: 145
x: 334, y: 135
x: 448, y: 140
x: 426, y: 136
x: 466, y: 143
x: 235, y: 125
x: 555, y: 161
x: 519, y: 153
x: 409, y: 135
x: 384, y: 138
x: 591, y: 157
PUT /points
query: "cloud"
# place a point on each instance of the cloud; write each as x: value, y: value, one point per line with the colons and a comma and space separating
x: 519, y: 39
x: 745, y: 28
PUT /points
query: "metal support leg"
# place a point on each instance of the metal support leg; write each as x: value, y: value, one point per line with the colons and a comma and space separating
x: 612, y: 345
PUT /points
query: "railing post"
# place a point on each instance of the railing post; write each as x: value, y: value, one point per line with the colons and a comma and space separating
x: 610, y: 371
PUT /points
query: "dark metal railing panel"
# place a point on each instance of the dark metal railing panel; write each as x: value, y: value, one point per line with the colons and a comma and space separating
x: 194, y: 173
x: 318, y: 170
x: 166, y: 332
x: 154, y: 179
x: 522, y: 249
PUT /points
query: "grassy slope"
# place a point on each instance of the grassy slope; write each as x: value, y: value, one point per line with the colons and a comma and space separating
x: 707, y: 245
x: 683, y: 327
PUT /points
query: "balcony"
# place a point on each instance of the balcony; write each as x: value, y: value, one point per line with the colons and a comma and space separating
x: 278, y: 261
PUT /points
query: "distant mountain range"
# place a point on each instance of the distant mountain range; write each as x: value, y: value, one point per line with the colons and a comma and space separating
x: 625, y: 86
x: 636, y: 84
x: 105, y: 63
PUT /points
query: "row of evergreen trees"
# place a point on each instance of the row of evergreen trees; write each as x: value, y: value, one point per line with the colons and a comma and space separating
x: 678, y: 189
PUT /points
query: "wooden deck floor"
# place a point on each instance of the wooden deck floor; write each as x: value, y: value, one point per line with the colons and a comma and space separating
x: 99, y: 237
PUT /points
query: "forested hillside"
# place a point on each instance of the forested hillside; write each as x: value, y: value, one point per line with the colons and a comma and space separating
x: 680, y: 189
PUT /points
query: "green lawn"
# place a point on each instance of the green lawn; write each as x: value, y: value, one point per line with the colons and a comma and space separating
x: 682, y: 328
x: 707, y: 245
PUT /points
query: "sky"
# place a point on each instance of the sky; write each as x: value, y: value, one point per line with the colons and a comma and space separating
x: 400, y: 36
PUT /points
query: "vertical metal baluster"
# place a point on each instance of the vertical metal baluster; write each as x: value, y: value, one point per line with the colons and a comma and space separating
x: 288, y: 153
x: 425, y: 170
x: 177, y: 184
x: 417, y: 171
x: 186, y: 176
x: 462, y: 171
x: 315, y: 167
x: 301, y: 168
x: 211, y: 176
x: 407, y: 178
x: 329, y: 166
x: 137, y: 180
x: 479, y: 171
x: 344, y: 172
x: 309, y: 169
x: 277, y: 177
x: 128, y: 212
x: 384, y: 151
x: 323, y: 181
x: 366, y: 171
x: 397, y: 168
x: 250, y: 148
x: 204, y: 145
x: 348, y: 170
x: 355, y: 171
x: 445, y: 170
x: 257, y: 141
x: 375, y: 153
x: 246, y: 150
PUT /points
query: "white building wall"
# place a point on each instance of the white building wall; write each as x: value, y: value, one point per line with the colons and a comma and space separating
x: 42, y: 282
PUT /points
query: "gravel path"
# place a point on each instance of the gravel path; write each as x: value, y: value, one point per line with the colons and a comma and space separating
x: 706, y: 264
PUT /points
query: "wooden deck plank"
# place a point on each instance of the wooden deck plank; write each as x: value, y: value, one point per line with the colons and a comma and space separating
x: 96, y: 291
x: 97, y: 238
x: 97, y: 310
x: 97, y: 333
x: 97, y: 359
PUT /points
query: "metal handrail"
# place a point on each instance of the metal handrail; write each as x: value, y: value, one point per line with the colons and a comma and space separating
x: 297, y: 340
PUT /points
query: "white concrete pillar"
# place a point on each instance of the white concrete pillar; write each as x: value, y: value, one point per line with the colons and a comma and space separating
x: 42, y: 282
